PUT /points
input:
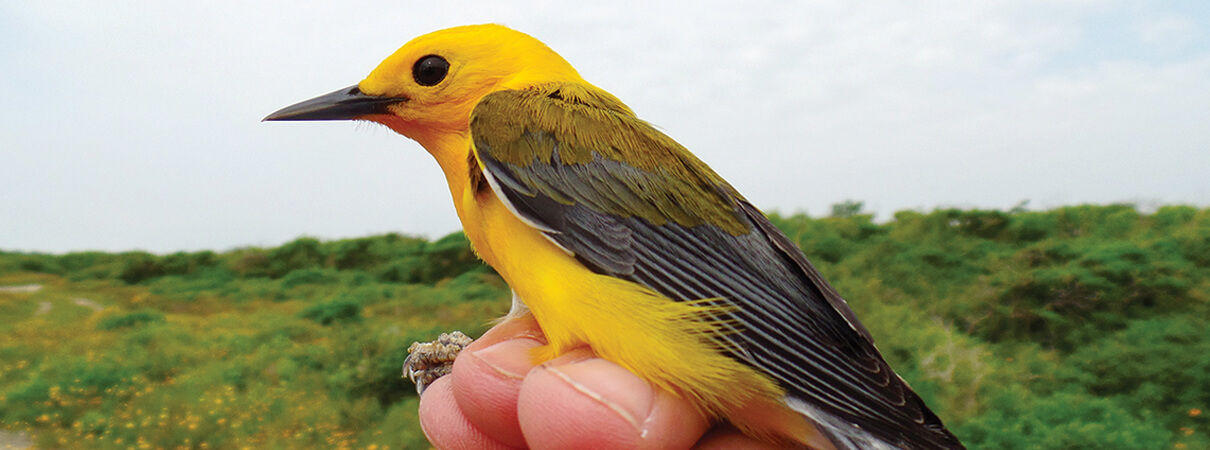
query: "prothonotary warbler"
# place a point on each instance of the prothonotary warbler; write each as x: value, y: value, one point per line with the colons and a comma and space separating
x: 616, y: 237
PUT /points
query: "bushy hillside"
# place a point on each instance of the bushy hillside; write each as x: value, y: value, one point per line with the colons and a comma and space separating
x: 1079, y: 327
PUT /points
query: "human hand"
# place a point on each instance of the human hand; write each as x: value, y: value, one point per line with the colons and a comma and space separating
x: 495, y: 398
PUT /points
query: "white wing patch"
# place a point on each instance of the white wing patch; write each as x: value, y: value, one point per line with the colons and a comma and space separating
x: 844, y: 435
x: 518, y: 309
x: 546, y: 231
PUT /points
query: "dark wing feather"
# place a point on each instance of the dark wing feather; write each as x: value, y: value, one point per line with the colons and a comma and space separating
x: 638, y: 222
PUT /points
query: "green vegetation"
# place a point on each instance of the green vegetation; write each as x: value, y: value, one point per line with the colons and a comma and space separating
x: 1079, y: 327
x: 299, y: 346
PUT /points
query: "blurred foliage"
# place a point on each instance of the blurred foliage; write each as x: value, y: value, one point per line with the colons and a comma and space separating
x: 298, y: 346
x: 1078, y: 327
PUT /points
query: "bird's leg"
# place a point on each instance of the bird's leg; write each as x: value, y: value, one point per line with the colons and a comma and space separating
x: 428, y: 361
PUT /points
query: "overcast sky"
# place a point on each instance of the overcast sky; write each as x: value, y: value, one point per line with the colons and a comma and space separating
x: 136, y: 124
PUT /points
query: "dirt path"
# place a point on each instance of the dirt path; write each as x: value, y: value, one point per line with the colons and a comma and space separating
x: 21, y: 440
x: 21, y: 289
x: 15, y: 440
x: 46, y: 307
x: 80, y: 301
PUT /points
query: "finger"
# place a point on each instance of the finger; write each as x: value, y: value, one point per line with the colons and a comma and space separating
x: 487, y: 377
x: 444, y: 424
x: 580, y: 401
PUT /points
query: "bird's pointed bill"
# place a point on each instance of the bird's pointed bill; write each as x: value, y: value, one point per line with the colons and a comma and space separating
x: 345, y: 104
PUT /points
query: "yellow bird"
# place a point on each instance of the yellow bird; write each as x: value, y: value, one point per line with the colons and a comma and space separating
x: 616, y: 237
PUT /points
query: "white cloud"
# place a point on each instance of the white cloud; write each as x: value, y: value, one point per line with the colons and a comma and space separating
x: 135, y: 124
x: 1168, y: 32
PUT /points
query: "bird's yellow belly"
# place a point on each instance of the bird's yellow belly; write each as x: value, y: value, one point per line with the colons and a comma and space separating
x: 665, y: 342
x: 544, y: 276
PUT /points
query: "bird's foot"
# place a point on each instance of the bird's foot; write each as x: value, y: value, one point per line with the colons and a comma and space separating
x: 428, y: 361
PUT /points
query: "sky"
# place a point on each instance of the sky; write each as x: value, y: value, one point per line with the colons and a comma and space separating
x: 135, y: 125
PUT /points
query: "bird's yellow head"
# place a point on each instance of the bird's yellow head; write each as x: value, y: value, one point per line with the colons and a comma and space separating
x: 427, y: 88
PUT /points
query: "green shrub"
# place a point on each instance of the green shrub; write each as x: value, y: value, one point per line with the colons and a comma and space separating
x: 333, y: 312
x: 131, y: 320
x: 309, y: 276
x: 1160, y: 364
x: 1015, y: 420
x: 302, y: 253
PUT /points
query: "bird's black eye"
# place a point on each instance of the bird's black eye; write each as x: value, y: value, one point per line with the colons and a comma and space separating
x: 430, y: 70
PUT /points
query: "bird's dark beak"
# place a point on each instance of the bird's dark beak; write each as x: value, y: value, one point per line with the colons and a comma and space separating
x: 346, y: 104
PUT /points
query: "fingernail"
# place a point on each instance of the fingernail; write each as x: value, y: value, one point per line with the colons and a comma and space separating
x: 610, y: 385
x: 509, y: 358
